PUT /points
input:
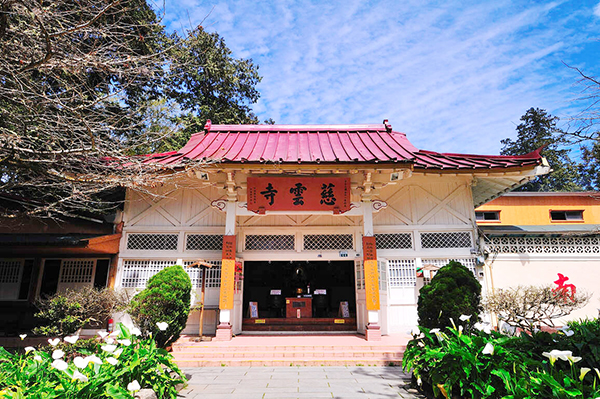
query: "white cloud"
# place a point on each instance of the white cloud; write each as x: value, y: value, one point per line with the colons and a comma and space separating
x: 597, y: 10
x: 455, y: 78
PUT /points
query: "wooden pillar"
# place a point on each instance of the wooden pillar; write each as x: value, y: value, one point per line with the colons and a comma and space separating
x: 224, y: 332
x: 373, y: 329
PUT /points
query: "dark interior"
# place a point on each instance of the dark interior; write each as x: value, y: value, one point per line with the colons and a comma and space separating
x: 336, y: 277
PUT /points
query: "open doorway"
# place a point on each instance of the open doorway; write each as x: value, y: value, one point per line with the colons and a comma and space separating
x: 299, y: 296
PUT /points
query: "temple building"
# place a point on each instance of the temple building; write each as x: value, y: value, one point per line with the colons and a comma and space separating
x: 311, y: 227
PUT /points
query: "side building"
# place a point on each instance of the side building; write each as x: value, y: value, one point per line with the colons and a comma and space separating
x: 529, y: 238
x: 310, y: 227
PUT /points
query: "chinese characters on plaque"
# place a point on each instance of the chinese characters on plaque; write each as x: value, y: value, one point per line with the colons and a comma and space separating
x: 227, y: 273
x: 298, y: 193
x: 371, y: 272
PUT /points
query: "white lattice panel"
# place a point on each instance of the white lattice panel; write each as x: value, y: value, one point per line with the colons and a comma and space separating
x: 204, y: 242
x: 136, y: 273
x: 394, y: 241
x: 458, y: 239
x: 155, y: 242
x: 469, y: 263
x: 360, y: 275
x: 402, y: 273
x: 213, y: 274
x: 270, y: 242
x: 328, y: 242
x: 544, y: 245
x: 382, y: 270
x: 77, y: 271
x: 10, y: 270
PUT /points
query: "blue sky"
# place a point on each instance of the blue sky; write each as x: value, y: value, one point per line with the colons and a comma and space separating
x: 455, y: 76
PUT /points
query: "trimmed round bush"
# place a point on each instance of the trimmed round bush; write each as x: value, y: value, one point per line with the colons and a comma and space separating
x: 453, y: 291
x: 166, y: 299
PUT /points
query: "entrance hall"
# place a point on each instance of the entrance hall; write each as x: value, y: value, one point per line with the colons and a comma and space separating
x: 299, y: 296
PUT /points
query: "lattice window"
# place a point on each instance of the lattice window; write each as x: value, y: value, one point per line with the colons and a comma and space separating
x: 213, y: 274
x: 156, y: 242
x: 10, y: 270
x: 136, y: 273
x: 382, y: 270
x: 274, y: 242
x: 402, y: 273
x: 204, y: 242
x: 459, y: 239
x: 360, y: 275
x: 544, y: 245
x: 77, y: 270
x: 469, y: 263
x: 328, y: 242
x: 394, y: 241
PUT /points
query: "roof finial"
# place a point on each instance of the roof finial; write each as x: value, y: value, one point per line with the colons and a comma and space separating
x: 388, y: 127
x: 207, y: 126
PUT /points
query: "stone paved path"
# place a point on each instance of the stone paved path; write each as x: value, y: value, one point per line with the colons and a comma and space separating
x: 297, y: 382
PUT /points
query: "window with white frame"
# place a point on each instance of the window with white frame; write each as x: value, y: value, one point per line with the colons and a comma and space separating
x: 360, y: 275
x: 402, y: 273
x: 213, y: 274
x: 154, y: 242
x: 394, y: 241
x: 469, y: 263
x: 270, y: 242
x: 454, y: 239
x: 136, y: 273
x: 15, y: 278
x: 328, y: 242
x: 204, y: 242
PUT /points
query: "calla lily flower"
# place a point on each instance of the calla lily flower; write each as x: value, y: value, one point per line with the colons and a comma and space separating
x: 108, y: 348
x: 584, y: 371
x: 118, y: 352
x: 102, y: 334
x: 434, y: 330
x: 109, y: 341
x: 124, y: 342
x: 81, y: 377
x: 81, y: 362
x: 72, y: 339
x: 162, y: 326
x: 136, y: 331
x: 22, y: 336
x: 556, y: 354
x: 37, y: 358
x: 488, y: 349
x: 29, y: 349
x: 112, y: 361
x: 464, y: 317
x: 57, y: 354
x: 133, y: 386
x: 60, y: 365
x: 93, y: 359
x: 54, y: 341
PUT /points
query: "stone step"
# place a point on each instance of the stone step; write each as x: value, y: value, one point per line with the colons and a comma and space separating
x: 245, y: 362
x: 295, y: 348
x: 288, y: 354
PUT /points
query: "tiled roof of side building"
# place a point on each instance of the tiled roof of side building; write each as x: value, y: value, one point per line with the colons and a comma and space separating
x: 283, y: 144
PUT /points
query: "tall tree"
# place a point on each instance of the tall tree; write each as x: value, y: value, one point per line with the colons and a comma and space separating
x: 86, y: 84
x: 538, y: 129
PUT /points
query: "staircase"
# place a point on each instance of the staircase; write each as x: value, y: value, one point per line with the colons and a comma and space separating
x: 291, y: 350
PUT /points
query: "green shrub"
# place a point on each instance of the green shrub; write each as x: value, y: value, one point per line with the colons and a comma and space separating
x: 166, y: 299
x: 107, y: 371
x: 64, y: 314
x: 453, y: 292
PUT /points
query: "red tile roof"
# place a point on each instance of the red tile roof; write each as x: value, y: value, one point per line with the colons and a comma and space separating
x: 325, y: 144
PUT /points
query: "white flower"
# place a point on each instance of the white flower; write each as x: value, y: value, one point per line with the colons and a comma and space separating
x: 419, y: 382
x: 124, y: 342
x: 112, y: 360
x: 60, y: 365
x: 108, y: 348
x: 488, y: 349
x: 434, y: 330
x: 584, y: 371
x: 110, y: 341
x: 29, y: 349
x: 54, y: 341
x: 460, y: 330
x: 573, y: 359
x: 136, y: 331
x: 162, y: 326
x: 114, y: 334
x: 102, y: 334
x: 93, y: 359
x: 118, y: 352
x: 556, y: 354
x: 72, y: 339
x: 133, y: 386
x: 57, y: 354
x: 81, y: 362
x: 37, y: 358
x: 569, y: 333
x: 78, y: 376
x: 464, y: 317
x: 22, y: 336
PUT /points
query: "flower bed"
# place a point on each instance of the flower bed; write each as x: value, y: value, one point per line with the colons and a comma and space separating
x: 454, y: 363
x: 116, y: 366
